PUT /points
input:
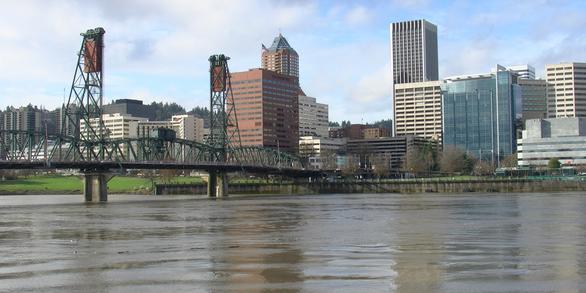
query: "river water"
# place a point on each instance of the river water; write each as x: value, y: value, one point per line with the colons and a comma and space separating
x: 324, y: 243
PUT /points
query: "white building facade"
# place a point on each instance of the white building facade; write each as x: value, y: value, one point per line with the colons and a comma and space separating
x: 313, y: 117
x: 117, y: 126
x: 566, y: 90
x: 559, y: 138
x: 320, y: 151
x: 186, y: 127
x: 120, y: 126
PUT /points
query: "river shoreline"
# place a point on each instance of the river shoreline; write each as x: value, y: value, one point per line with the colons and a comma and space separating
x: 495, y: 185
x: 427, y: 185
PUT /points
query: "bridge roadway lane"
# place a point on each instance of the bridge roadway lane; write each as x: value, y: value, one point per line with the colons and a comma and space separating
x: 111, y: 165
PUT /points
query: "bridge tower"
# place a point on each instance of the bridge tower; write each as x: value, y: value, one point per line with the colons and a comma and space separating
x: 82, y: 122
x: 83, y: 132
x: 224, y: 132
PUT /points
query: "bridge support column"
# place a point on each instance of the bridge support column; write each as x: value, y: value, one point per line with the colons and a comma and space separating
x: 96, y: 187
x: 217, y: 184
x: 222, y: 185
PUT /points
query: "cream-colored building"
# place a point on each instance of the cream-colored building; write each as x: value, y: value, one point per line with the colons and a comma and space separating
x: 566, y: 91
x: 418, y: 109
x: 186, y: 127
x: 117, y: 126
x: 320, y: 151
x: 313, y: 117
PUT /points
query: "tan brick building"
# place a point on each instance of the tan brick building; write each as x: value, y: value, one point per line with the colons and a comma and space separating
x: 375, y: 132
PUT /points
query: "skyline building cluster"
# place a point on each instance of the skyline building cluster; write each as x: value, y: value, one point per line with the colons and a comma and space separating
x: 482, y: 114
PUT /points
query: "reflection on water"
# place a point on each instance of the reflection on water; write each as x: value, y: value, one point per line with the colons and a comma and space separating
x: 341, y: 243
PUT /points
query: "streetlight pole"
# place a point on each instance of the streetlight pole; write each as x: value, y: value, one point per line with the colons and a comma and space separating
x: 278, y: 154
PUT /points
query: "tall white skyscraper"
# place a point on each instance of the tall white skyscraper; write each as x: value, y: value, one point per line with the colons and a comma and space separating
x: 414, y: 51
x: 414, y: 63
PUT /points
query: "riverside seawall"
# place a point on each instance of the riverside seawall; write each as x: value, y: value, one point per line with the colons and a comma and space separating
x: 395, y: 186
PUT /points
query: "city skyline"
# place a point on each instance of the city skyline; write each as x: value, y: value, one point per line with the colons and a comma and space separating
x: 157, y: 51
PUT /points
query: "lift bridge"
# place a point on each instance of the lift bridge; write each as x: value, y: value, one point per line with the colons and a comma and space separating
x: 84, y: 143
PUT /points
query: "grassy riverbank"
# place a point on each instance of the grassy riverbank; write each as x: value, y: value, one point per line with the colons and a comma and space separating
x: 74, y: 184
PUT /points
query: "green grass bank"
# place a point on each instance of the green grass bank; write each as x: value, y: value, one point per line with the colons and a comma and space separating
x: 74, y: 184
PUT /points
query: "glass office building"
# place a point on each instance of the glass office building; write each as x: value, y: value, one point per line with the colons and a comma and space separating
x: 479, y: 114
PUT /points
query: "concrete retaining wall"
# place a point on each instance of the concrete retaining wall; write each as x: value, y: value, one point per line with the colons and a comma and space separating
x: 407, y: 186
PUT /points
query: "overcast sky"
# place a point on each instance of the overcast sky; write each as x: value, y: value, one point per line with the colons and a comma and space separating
x: 158, y: 50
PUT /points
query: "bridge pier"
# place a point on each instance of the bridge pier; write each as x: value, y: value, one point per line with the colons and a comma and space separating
x: 96, y: 186
x: 217, y: 184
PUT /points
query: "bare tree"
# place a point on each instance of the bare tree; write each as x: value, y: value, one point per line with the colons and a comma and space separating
x: 455, y: 160
x: 510, y: 161
x: 328, y: 159
x: 381, y: 166
x: 483, y: 168
x: 352, y: 166
x: 420, y: 159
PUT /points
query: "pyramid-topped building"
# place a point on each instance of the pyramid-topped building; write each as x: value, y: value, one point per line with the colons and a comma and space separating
x: 280, y: 57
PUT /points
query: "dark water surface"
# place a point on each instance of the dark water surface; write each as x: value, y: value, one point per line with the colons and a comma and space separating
x: 326, y: 243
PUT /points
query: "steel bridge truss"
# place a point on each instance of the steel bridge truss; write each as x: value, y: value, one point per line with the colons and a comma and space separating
x: 22, y: 146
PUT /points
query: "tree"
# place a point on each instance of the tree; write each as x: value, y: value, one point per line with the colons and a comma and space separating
x: 420, y: 159
x: 381, y: 166
x: 352, y: 166
x: 483, y: 168
x: 385, y: 123
x: 164, y: 111
x: 328, y: 159
x: 510, y: 161
x: 554, y: 163
x: 455, y: 160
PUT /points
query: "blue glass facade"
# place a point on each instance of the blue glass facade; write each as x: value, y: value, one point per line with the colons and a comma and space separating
x: 479, y: 114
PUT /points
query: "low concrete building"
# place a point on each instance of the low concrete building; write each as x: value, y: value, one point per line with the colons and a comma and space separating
x: 387, y: 152
x: 560, y: 138
x: 186, y: 127
x: 321, y: 151
x: 118, y: 126
x: 134, y: 108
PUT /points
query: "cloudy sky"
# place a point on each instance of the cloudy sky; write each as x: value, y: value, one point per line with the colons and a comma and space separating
x: 157, y: 50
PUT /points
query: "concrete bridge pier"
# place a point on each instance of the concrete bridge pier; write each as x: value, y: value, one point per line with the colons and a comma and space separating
x: 217, y: 184
x: 96, y: 186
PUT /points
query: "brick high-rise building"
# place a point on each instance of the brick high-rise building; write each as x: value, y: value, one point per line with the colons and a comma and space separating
x: 280, y: 57
x: 267, y: 108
